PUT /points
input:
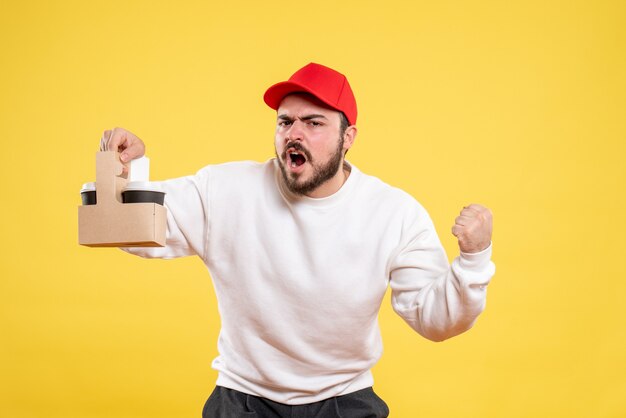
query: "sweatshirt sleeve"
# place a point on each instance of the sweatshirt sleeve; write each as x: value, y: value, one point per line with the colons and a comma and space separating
x: 436, y: 299
x: 187, y: 204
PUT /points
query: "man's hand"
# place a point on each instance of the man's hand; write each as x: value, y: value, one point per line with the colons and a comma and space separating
x: 124, y: 142
x: 473, y: 228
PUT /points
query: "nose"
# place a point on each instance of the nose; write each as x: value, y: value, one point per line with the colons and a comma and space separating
x: 295, y: 132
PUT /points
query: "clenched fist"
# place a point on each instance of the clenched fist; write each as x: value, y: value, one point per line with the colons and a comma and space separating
x: 473, y: 228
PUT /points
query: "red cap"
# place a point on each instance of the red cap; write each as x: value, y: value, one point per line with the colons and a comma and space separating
x: 326, y: 84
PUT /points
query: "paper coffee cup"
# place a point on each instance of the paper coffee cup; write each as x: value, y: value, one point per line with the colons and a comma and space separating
x: 88, y: 193
x: 142, y: 192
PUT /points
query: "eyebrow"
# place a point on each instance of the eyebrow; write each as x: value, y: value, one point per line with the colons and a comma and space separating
x: 303, y: 118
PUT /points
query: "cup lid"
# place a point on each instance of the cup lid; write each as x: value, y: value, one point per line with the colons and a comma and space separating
x: 143, y: 186
x: 88, y: 187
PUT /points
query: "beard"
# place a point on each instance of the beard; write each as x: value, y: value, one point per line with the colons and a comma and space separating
x: 322, y: 172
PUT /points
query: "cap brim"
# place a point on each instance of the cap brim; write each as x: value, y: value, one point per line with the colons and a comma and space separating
x: 276, y: 93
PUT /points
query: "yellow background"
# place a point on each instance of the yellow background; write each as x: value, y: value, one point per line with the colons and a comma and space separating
x: 518, y: 105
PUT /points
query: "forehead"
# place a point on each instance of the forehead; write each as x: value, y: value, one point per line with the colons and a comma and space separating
x: 298, y: 104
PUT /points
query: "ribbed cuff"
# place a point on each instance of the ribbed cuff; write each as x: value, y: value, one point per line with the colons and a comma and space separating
x: 476, y: 261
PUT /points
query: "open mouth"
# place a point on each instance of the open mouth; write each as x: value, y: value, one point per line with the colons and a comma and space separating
x: 296, y: 158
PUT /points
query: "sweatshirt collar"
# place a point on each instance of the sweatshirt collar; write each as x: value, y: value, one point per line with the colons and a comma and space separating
x: 327, y: 201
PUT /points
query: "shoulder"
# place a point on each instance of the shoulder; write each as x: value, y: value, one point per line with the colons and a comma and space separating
x: 235, y: 167
x: 405, y: 214
x: 378, y: 192
x: 236, y: 180
x: 234, y: 172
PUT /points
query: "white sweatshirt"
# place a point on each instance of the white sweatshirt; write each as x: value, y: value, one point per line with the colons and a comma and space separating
x: 299, y: 281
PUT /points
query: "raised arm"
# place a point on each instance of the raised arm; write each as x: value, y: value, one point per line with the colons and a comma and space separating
x: 185, y: 200
x: 436, y: 299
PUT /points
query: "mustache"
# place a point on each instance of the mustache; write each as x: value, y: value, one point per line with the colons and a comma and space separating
x: 298, y: 147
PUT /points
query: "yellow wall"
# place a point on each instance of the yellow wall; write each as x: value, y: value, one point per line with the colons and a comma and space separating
x: 519, y: 105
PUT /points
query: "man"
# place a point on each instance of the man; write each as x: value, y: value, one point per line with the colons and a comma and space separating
x: 301, y: 250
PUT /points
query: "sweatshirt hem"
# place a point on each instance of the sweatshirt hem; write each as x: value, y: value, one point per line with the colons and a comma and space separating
x: 362, y: 381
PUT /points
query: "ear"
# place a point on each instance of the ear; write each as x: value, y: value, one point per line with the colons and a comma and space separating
x: 349, y: 136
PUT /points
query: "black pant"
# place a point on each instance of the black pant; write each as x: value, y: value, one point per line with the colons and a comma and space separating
x: 229, y: 403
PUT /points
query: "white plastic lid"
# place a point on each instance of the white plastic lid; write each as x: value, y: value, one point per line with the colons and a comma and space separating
x: 143, y: 185
x: 88, y: 187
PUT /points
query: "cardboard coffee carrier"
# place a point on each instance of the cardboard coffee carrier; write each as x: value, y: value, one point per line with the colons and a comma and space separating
x: 111, y: 223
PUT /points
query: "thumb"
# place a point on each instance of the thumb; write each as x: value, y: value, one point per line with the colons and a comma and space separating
x: 135, y: 150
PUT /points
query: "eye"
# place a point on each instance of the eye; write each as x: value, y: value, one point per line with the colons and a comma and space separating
x: 314, y: 123
x: 284, y: 122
